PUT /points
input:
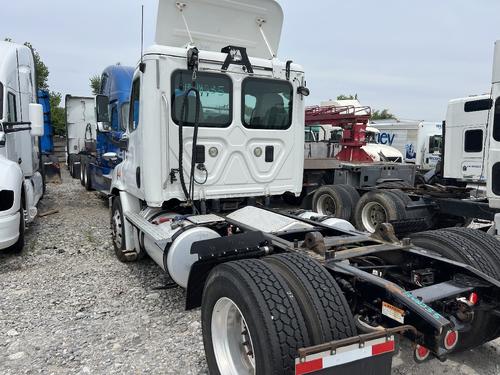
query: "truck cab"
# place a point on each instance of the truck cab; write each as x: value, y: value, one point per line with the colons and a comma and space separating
x: 116, y: 82
x: 464, y: 138
x: 21, y: 122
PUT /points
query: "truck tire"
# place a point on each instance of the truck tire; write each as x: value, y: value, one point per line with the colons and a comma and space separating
x: 250, y: 320
x: 353, y: 197
x: 118, y: 233
x: 326, y: 312
x: 490, y: 245
x: 461, y: 249
x: 378, y: 207
x: 82, y: 172
x: 88, y: 178
x: 331, y: 200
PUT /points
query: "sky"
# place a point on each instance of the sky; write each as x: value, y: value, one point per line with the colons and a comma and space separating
x: 410, y: 57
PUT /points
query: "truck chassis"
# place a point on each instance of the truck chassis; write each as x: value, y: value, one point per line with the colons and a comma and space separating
x: 338, y: 282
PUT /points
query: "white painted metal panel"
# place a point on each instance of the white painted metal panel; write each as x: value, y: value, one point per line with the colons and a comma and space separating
x: 215, y: 24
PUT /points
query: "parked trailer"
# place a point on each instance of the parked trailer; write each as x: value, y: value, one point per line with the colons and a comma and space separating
x: 370, y: 193
x: 279, y: 294
x: 81, y: 130
x: 100, y: 157
x: 21, y: 122
x: 420, y: 142
x: 50, y: 162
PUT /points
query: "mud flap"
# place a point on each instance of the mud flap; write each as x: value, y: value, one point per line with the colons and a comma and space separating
x: 369, y: 354
x: 51, y: 169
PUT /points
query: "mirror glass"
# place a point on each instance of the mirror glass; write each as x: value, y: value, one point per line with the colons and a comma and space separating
x: 102, y: 108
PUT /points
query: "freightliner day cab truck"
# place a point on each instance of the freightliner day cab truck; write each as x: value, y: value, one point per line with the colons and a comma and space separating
x: 21, y: 122
x: 102, y: 154
x: 216, y: 126
x: 95, y: 149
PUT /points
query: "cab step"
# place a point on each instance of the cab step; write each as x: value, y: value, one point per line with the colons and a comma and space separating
x: 153, y: 231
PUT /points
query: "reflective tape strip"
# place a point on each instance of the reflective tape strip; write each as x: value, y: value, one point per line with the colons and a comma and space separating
x: 345, y: 355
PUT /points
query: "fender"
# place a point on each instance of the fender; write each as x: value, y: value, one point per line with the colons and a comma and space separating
x: 11, y: 178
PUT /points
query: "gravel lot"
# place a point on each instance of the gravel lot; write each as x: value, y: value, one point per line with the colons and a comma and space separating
x: 67, y: 306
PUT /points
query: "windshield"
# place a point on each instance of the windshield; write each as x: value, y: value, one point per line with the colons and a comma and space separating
x: 371, y: 137
x: 1, y: 101
x: 125, y: 112
x: 267, y: 104
x: 435, y: 144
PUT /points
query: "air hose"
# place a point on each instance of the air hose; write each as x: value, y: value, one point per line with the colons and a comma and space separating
x: 189, y: 193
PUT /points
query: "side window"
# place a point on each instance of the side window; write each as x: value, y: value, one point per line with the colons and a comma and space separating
x: 114, y: 118
x: 473, y: 140
x: 135, y: 107
x: 435, y: 144
x: 125, y: 110
x: 496, y: 123
x: 267, y: 104
x: 11, y: 108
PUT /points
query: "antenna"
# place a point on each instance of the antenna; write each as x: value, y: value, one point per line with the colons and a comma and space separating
x: 142, y: 66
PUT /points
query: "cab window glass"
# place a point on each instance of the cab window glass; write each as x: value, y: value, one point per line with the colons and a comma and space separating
x: 114, y: 118
x: 135, y: 107
x: 124, y: 113
x: 435, y: 144
x: 473, y: 140
x: 216, y: 91
x: 496, y: 123
x: 267, y: 104
x: 11, y: 108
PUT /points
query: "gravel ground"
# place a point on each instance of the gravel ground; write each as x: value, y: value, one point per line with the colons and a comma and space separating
x: 67, y: 306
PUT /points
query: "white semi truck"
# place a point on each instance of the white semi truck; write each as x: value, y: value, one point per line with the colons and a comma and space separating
x: 418, y: 141
x: 216, y: 126
x: 21, y: 122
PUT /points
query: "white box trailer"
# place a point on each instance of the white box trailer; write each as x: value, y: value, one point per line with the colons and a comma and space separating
x: 81, y: 130
x: 21, y: 122
x: 418, y: 141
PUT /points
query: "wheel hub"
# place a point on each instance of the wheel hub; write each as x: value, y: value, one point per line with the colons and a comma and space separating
x: 372, y: 215
x: 231, y: 339
x: 326, y: 206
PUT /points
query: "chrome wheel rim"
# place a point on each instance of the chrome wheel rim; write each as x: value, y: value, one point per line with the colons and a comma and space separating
x: 372, y: 215
x: 116, y: 229
x: 231, y: 339
x: 326, y: 205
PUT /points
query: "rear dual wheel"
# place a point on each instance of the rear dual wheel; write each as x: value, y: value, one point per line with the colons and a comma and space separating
x: 256, y: 314
x: 462, y: 245
x: 336, y: 201
x: 378, y: 207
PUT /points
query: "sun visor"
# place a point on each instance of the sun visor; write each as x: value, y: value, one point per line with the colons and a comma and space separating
x: 215, y: 24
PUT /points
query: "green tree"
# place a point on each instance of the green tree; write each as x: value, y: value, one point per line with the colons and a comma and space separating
x: 382, y: 115
x: 95, y: 84
x: 57, y: 113
x: 347, y: 97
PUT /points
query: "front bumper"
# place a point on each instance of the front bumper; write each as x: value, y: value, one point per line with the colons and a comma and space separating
x: 9, y: 230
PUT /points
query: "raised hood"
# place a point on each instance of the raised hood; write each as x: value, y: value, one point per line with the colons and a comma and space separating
x: 215, y: 24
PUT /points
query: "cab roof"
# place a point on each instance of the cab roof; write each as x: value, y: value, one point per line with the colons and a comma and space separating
x: 215, y: 24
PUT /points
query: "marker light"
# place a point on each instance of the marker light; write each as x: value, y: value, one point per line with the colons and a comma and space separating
x: 257, y: 152
x: 451, y: 340
x: 213, y: 152
x: 421, y: 353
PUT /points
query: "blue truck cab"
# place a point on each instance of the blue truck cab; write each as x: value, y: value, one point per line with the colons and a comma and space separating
x: 97, y: 165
